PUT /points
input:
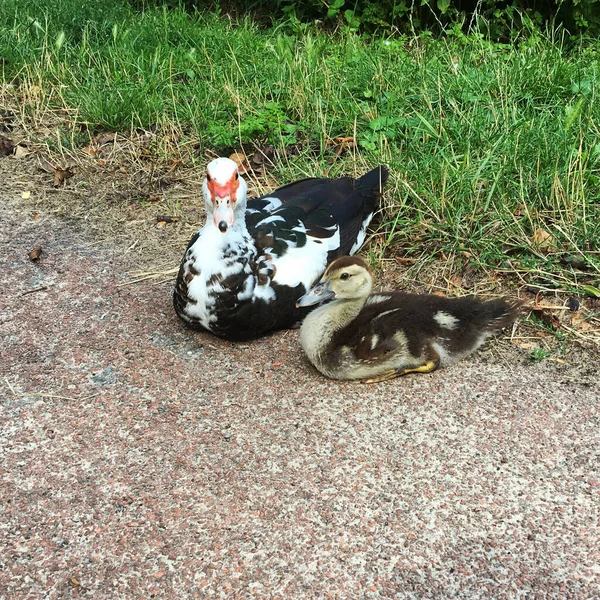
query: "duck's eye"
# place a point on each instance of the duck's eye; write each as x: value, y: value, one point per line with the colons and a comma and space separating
x: 237, y: 175
x: 208, y: 177
x: 344, y: 276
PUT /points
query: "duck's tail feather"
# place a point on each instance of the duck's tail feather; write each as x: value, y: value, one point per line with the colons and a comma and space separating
x: 371, y: 185
x: 370, y: 188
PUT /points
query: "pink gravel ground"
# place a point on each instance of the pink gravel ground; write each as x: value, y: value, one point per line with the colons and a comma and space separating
x: 142, y: 460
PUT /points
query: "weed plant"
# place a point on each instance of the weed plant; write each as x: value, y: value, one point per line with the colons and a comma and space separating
x: 488, y: 143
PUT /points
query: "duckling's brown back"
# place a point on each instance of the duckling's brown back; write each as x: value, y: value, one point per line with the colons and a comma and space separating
x: 475, y: 321
x: 454, y: 327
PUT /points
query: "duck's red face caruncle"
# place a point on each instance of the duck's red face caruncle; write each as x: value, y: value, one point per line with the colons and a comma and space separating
x: 222, y: 182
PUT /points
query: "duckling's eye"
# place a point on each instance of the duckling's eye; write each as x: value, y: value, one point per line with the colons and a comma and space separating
x: 344, y: 276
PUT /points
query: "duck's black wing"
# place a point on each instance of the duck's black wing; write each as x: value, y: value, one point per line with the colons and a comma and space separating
x: 335, y: 211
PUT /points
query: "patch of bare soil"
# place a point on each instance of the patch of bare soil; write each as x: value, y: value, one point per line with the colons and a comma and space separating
x: 140, y: 459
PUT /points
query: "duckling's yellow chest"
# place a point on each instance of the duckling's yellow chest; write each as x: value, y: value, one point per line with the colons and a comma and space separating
x: 318, y: 331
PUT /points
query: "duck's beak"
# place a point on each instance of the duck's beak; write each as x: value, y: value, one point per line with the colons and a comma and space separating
x: 223, y: 199
x: 222, y: 214
x: 319, y: 293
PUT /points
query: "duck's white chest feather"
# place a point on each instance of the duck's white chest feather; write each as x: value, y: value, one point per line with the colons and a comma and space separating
x: 213, y: 259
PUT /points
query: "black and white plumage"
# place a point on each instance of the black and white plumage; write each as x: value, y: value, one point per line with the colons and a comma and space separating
x: 375, y: 337
x: 243, y: 271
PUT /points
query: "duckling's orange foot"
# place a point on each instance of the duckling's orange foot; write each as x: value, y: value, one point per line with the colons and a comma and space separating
x: 383, y: 377
x: 428, y: 367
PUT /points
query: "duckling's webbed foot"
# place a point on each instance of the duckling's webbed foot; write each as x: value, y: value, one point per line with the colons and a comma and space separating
x: 431, y: 365
x: 385, y: 376
x: 428, y: 367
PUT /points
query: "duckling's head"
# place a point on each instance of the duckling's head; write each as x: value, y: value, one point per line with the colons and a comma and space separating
x: 346, y: 278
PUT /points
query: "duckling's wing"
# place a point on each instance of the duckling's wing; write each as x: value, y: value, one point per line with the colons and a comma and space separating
x: 409, y: 324
x: 372, y: 347
x: 385, y: 326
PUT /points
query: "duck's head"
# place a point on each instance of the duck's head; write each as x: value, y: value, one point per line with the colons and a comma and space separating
x: 224, y: 193
x: 346, y: 278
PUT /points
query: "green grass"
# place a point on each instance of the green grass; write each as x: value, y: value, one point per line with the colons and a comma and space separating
x: 487, y: 142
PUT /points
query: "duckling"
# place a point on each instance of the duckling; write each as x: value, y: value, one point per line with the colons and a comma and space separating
x: 376, y: 337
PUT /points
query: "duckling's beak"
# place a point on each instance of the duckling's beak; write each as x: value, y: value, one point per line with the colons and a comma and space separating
x: 319, y: 293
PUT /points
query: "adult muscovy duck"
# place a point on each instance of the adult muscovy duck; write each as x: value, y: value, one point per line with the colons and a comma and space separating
x: 243, y: 272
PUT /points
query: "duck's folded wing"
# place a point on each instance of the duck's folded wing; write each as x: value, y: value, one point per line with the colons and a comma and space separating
x: 293, y: 246
x: 346, y: 204
x: 291, y: 226
x: 301, y: 190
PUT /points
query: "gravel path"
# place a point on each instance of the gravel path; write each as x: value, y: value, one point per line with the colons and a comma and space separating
x: 142, y: 460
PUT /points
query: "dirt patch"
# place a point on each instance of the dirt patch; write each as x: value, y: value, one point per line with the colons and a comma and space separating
x: 141, y: 459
